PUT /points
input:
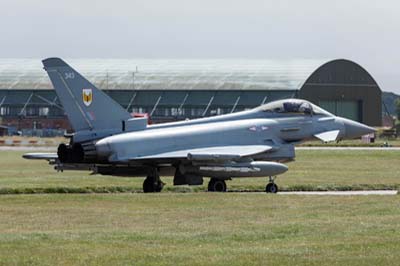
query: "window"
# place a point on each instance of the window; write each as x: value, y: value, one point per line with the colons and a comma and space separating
x: 43, y: 111
x: 319, y: 111
x: 174, y: 111
x: 166, y: 112
x: 140, y: 110
x: 5, y: 110
x: 297, y: 107
x: 196, y: 112
x: 293, y: 106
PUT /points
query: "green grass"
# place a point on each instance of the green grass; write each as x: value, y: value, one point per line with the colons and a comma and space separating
x: 49, y: 142
x: 312, y: 170
x: 203, y: 228
x: 199, y: 229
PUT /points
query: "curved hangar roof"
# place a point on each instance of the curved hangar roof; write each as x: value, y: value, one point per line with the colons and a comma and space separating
x: 201, y: 74
x: 223, y: 74
x: 345, y: 88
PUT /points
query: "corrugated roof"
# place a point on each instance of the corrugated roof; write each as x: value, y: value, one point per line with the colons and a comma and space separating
x: 167, y: 74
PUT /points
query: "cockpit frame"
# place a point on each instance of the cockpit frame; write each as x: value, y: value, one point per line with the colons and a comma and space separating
x: 294, y: 107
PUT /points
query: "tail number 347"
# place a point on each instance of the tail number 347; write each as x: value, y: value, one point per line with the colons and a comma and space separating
x: 69, y: 75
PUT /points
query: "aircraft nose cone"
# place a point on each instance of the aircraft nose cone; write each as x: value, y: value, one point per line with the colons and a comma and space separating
x: 354, y: 129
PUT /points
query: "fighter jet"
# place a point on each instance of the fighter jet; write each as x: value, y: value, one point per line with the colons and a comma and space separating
x: 252, y: 143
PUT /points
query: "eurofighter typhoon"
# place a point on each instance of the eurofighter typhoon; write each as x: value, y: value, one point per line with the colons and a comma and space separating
x: 252, y: 143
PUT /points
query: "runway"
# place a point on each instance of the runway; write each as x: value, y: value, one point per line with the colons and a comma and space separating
x: 342, y: 193
x: 27, y: 148
x: 350, y: 148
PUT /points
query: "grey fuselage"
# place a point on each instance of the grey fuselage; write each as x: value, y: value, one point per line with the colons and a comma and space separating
x: 278, y: 131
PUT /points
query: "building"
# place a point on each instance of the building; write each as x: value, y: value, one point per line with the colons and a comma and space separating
x: 346, y: 89
x: 185, y: 89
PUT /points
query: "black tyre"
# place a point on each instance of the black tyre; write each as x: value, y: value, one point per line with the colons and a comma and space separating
x: 271, y: 188
x: 159, y: 186
x: 148, y: 185
x: 217, y: 185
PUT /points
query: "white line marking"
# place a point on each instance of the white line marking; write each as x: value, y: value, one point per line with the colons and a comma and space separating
x: 28, y: 148
x: 351, y: 148
x: 342, y: 193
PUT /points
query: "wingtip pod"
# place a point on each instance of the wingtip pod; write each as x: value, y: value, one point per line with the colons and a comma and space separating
x: 53, y: 62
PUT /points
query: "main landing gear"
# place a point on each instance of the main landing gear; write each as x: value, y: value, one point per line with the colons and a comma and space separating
x: 216, y: 185
x: 153, y: 183
x: 271, y: 186
x: 219, y: 185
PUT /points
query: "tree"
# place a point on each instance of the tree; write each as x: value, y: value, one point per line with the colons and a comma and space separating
x: 397, y: 104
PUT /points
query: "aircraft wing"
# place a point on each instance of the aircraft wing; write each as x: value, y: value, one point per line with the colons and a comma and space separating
x: 40, y: 156
x: 220, y: 153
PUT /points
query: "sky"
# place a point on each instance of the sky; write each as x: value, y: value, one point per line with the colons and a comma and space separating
x: 367, y: 32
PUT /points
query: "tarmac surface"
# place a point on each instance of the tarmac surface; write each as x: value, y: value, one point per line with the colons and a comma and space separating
x: 27, y: 148
x: 342, y: 193
x: 351, y: 148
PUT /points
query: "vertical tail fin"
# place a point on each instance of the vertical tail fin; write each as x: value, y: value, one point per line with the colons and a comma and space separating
x: 87, y: 107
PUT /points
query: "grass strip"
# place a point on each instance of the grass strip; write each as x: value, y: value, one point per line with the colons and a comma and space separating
x: 186, y: 189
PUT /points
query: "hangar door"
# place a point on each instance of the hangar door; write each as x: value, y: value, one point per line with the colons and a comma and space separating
x: 347, y: 109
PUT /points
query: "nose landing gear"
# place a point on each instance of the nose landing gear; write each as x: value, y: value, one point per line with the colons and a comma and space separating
x: 216, y: 185
x: 271, y: 186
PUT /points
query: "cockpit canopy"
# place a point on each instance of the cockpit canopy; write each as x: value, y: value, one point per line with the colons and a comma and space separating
x: 294, y: 106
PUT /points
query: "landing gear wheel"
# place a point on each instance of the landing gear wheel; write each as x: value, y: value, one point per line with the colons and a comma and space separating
x: 148, y: 185
x: 271, y: 188
x: 159, y: 186
x: 216, y: 185
x: 153, y: 183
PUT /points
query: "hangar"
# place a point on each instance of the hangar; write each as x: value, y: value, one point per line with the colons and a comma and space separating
x: 346, y: 89
x: 171, y: 90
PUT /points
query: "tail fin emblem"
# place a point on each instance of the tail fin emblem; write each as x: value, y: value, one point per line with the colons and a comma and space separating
x: 87, y: 96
